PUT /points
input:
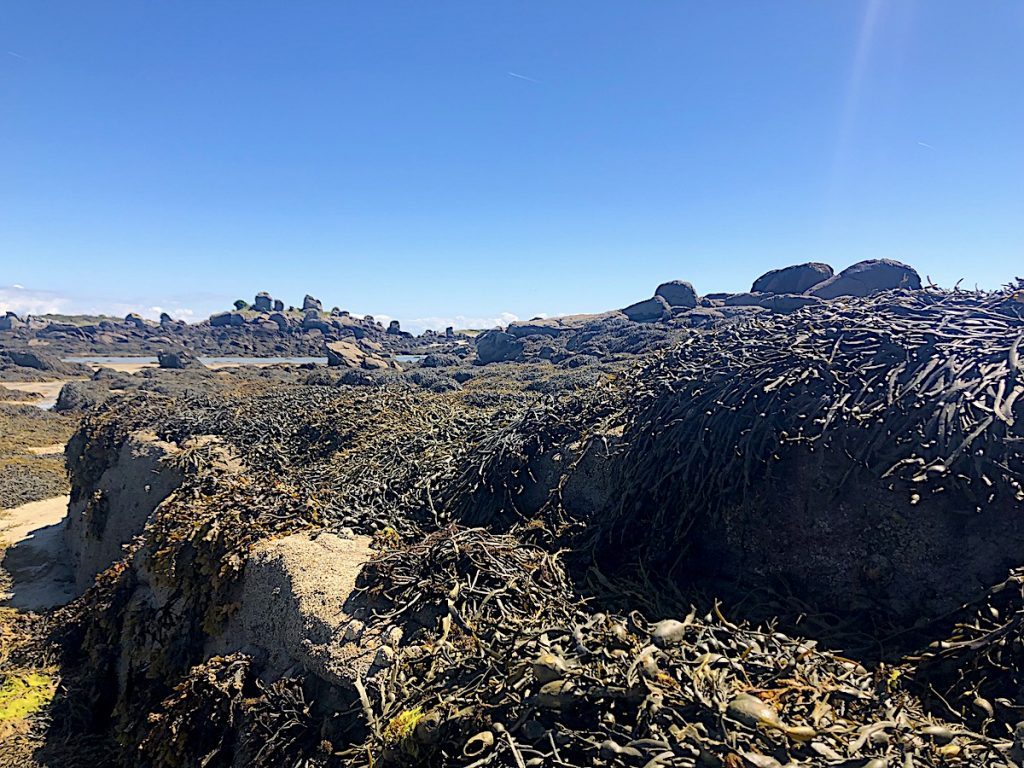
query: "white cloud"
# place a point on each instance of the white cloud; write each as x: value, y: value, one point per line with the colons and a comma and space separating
x: 26, y: 301
x: 439, y: 323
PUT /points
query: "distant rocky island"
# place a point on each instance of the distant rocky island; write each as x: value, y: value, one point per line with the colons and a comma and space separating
x: 264, y: 328
x: 267, y: 327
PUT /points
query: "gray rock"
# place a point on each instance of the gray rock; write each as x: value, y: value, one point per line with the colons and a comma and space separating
x: 349, y: 354
x: 648, y: 311
x: 178, y: 359
x: 223, y: 319
x: 39, y: 361
x: 263, y: 302
x: 312, y: 321
x: 135, y: 319
x: 280, y: 320
x: 278, y: 305
x: 678, y: 293
x: 310, y: 302
x: 784, y: 303
x: 867, y: 277
x: 394, y: 328
x: 497, y: 346
x: 795, y: 279
x: 744, y: 300
x: 10, y: 322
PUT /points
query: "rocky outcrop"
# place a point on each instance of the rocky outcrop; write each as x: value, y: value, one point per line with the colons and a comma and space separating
x: 38, y: 361
x: 867, y: 277
x: 794, y: 279
x: 297, y: 605
x: 10, y: 322
x: 310, y: 302
x: 497, y: 346
x: 348, y: 354
x: 225, y: 319
x: 263, y: 302
x: 554, y: 326
x: 179, y: 359
x: 678, y: 293
x: 648, y: 311
x: 115, y: 490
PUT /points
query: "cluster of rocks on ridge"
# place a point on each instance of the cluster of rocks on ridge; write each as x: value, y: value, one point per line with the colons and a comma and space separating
x: 676, y: 306
x: 264, y: 328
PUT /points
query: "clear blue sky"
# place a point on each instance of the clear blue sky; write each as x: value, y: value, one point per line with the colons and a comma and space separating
x: 431, y: 159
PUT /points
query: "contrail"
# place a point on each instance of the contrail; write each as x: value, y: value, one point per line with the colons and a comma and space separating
x: 926, y: 146
x: 523, y: 77
x: 16, y: 55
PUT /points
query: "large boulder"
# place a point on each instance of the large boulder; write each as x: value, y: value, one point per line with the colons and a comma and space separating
x: 263, y: 302
x: 178, y: 359
x: 278, y: 305
x: 678, y: 293
x: 39, y: 361
x: 136, y: 320
x: 867, y: 277
x: 280, y: 320
x: 224, y: 319
x: 553, y: 326
x: 350, y: 354
x: 313, y: 321
x: 10, y: 322
x: 648, y: 311
x: 394, y: 328
x: 309, y: 302
x: 497, y: 346
x: 795, y: 279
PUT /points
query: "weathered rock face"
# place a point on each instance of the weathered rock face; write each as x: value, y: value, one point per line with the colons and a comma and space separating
x: 297, y: 605
x: 867, y: 277
x: 648, y: 311
x: 280, y: 320
x: 263, y: 302
x: 112, y: 497
x: 278, y: 305
x: 310, y: 302
x: 313, y: 320
x: 497, y: 346
x: 678, y: 293
x: 348, y: 354
x: 10, y: 322
x: 394, y: 328
x: 224, y: 319
x: 555, y: 326
x: 795, y: 279
x: 38, y: 361
x: 135, y: 320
